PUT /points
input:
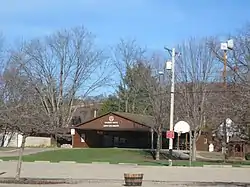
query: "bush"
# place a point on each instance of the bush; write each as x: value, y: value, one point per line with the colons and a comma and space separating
x: 247, y: 156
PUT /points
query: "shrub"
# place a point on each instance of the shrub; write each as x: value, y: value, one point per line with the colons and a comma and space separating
x: 247, y: 156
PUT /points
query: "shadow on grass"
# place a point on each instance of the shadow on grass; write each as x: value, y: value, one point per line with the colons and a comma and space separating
x: 146, y: 154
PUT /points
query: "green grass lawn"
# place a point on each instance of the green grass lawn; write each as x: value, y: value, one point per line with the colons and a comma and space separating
x: 89, y: 155
x: 112, y: 155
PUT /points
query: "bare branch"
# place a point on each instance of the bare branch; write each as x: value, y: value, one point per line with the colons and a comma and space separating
x: 61, y: 68
x: 125, y: 56
x: 196, y: 72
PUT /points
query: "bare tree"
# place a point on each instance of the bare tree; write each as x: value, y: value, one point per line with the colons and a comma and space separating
x: 237, y: 59
x: 125, y: 55
x: 61, y: 68
x: 157, y: 96
x: 238, y: 75
x: 21, y: 110
x: 196, y: 71
x: 4, y: 129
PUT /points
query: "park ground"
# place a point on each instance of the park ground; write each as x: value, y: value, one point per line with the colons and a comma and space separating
x: 113, y: 156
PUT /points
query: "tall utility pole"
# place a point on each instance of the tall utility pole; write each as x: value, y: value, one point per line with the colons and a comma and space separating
x: 225, y: 47
x: 224, y: 147
x: 171, y: 122
x: 160, y: 74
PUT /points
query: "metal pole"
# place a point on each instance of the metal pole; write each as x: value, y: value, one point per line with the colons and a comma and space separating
x: 225, y: 118
x: 225, y: 70
x: 161, y: 104
x: 172, y: 102
x: 190, y: 148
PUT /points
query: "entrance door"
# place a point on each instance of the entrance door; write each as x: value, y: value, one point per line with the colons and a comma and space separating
x: 116, y: 141
x: 107, y: 141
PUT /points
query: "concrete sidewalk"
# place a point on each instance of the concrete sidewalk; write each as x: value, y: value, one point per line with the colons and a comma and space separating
x: 116, y: 172
x: 145, y: 184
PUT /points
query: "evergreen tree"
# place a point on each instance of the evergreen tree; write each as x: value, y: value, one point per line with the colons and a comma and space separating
x: 133, y: 93
x: 111, y: 104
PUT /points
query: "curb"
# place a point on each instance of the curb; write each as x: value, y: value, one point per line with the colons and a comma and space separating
x: 39, y: 161
x: 100, y: 163
x: 217, y: 166
x: 13, y: 161
x: 128, y: 164
x: 67, y: 162
x: 245, y: 166
x: 134, y: 164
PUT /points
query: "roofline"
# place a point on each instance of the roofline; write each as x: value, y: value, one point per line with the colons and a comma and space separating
x: 123, y: 129
x: 92, y: 119
x: 114, y: 113
x: 131, y: 120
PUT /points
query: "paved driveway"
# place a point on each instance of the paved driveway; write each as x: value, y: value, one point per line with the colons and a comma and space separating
x: 27, y: 151
x: 116, y: 172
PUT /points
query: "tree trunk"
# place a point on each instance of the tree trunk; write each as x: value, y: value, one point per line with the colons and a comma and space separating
x: 190, y: 148
x: 133, y: 106
x: 119, y: 105
x: 56, y: 132
x: 194, y: 147
x: 3, y: 140
x: 19, y: 163
x: 4, y: 137
x: 158, y: 146
x: 224, y: 141
x: 126, y: 105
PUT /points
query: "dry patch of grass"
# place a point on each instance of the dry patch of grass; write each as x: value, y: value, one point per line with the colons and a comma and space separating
x: 211, y: 155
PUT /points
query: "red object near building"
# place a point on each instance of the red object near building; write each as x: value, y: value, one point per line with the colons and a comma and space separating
x: 170, y: 134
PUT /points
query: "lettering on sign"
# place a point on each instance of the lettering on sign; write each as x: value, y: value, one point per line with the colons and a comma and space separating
x: 110, y: 125
x: 111, y: 122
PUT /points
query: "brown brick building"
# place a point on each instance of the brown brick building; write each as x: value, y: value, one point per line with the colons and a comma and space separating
x: 125, y: 130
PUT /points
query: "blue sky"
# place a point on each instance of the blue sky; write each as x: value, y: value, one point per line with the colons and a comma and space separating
x: 154, y: 23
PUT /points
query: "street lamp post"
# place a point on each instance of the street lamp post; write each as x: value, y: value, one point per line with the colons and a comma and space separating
x: 171, y: 122
x: 225, y: 47
x: 160, y: 74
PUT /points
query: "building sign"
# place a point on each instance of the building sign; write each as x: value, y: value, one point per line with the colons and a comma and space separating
x: 110, y: 125
x: 111, y: 118
x: 72, y: 131
x: 170, y: 134
x: 111, y: 122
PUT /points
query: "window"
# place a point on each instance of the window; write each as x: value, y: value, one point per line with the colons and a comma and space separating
x: 82, y: 137
x: 122, y: 140
x: 116, y: 141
